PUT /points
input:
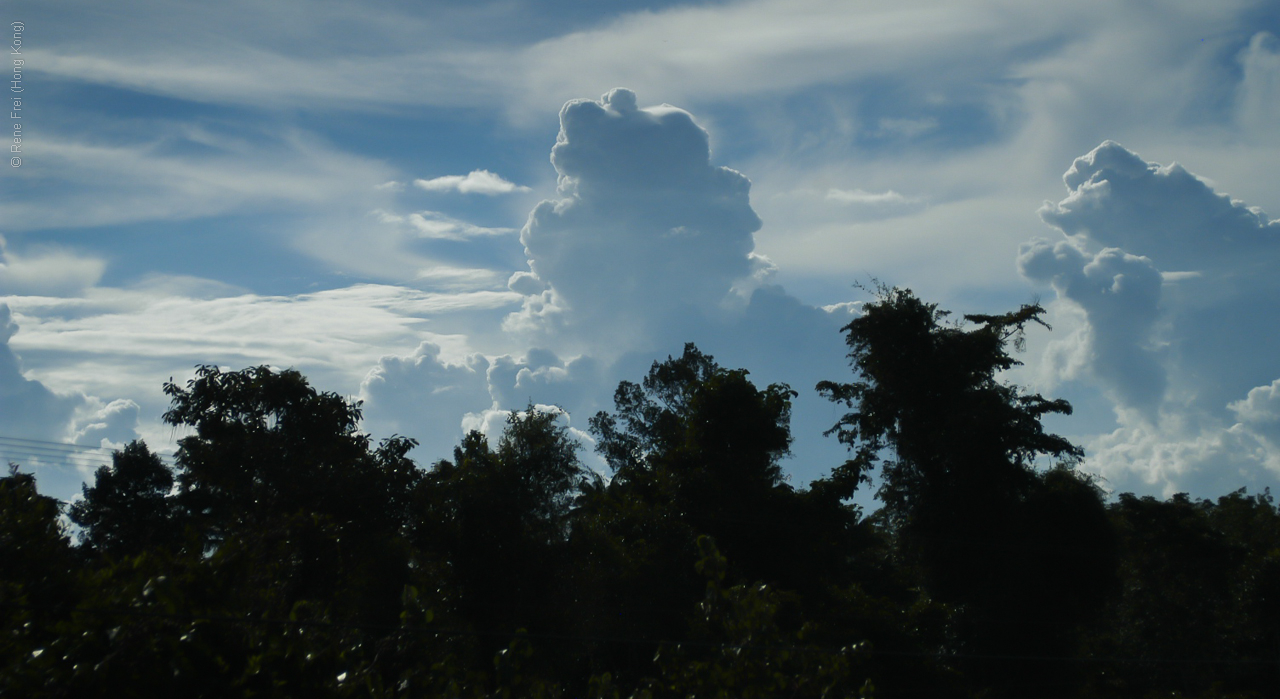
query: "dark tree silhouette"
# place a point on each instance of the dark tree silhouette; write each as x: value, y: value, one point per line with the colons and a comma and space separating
x: 1199, y: 603
x: 498, y: 520
x: 128, y: 510
x: 297, y: 558
x: 702, y: 445
x: 37, y: 578
x: 956, y: 448
x: 295, y: 500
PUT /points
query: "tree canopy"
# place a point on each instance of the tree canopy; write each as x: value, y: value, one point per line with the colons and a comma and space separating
x: 284, y: 553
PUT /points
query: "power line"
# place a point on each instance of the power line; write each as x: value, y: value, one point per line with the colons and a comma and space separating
x: 60, y: 454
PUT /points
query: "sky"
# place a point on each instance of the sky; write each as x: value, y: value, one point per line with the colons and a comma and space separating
x: 453, y: 210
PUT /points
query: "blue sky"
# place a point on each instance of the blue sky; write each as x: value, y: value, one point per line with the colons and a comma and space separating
x: 449, y: 210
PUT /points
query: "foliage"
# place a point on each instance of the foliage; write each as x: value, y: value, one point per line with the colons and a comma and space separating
x: 280, y: 484
x: 1199, y: 599
x: 37, y: 578
x: 288, y: 555
x: 127, y: 510
x: 956, y: 450
x: 929, y: 392
x: 267, y: 443
x: 702, y: 445
x: 498, y: 521
x: 743, y: 651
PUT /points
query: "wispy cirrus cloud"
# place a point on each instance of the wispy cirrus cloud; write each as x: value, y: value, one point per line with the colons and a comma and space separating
x: 147, y: 336
x: 433, y: 224
x: 182, y: 173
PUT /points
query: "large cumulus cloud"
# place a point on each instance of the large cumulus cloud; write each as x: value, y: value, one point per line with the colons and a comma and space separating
x: 647, y: 231
x: 648, y: 245
x: 1119, y: 293
x: 1176, y: 284
x: 651, y: 245
x: 1116, y: 199
x: 28, y: 409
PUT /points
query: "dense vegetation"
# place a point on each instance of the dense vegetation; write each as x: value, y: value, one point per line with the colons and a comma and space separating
x: 287, y: 555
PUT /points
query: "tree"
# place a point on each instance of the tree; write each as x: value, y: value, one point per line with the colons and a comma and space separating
x: 295, y: 501
x: 37, y: 579
x: 1198, y: 609
x: 703, y: 438
x: 128, y: 510
x: 703, y: 445
x: 694, y: 419
x: 499, y: 521
x: 929, y: 399
x: 268, y: 443
x: 956, y: 449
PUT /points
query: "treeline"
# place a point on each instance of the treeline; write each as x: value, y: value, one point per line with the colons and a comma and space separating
x: 285, y: 554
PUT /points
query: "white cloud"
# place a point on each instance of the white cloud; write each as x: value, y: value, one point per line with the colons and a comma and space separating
x: 1186, y: 452
x: 648, y: 231
x: 438, y: 226
x: 1116, y: 199
x: 51, y: 272
x: 1119, y: 294
x: 432, y: 224
x: 110, y: 426
x: 184, y: 172
x: 767, y: 46
x: 425, y: 396
x: 474, y: 182
x: 651, y: 247
x: 1259, y: 414
x: 28, y: 409
x: 858, y: 196
x: 436, y: 400
x: 1258, y: 96
x: 542, y: 377
x: 1176, y: 284
x: 117, y: 342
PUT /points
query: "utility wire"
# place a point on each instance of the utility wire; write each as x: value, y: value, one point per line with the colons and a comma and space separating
x: 59, y: 454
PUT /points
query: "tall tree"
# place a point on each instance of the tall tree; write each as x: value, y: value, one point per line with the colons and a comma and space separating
x: 956, y: 449
x: 37, y: 581
x: 930, y: 410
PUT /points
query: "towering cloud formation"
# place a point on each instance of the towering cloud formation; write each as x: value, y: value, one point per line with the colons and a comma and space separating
x: 1116, y: 199
x: 1177, y: 284
x: 648, y: 231
x: 648, y: 246
x: 28, y: 409
x: 1120, y: 294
